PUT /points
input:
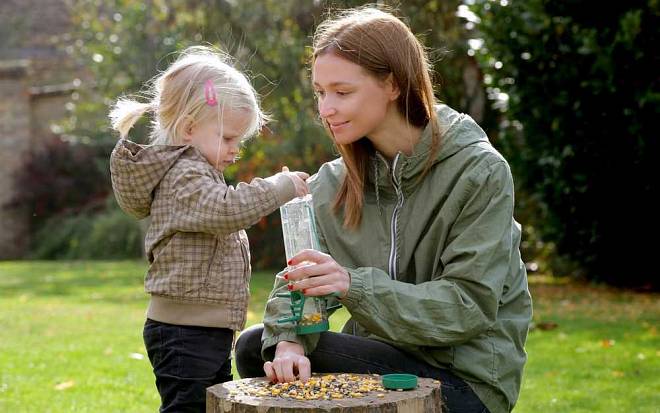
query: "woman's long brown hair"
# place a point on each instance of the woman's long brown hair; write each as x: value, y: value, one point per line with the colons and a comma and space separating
x: 383, y: 45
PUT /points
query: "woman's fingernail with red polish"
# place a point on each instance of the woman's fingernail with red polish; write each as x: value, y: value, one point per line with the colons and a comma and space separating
x: 286, y: 276
x: 289, y: 262
x: 304, y: 291
x: 290, y: 287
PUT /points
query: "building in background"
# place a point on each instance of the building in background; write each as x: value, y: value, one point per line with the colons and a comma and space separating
x: 37, y: 78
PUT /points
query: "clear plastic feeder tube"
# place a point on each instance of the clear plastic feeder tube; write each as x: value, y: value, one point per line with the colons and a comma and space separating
x: 298, y: 226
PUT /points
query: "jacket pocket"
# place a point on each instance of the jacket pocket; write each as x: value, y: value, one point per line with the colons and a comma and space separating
x: 180, y: 265
x: 226, y: 279
x: 245, y: 249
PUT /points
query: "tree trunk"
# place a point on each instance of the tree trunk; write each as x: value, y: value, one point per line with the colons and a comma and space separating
x: 228, y: 398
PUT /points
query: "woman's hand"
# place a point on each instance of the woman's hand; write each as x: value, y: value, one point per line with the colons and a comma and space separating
x: 322, y: 277
x: 289, y: 362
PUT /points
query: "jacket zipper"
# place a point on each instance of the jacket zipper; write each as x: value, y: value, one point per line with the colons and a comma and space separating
x: 395, y: 218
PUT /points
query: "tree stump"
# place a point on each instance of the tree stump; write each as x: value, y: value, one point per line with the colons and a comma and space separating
x: 228, y: 398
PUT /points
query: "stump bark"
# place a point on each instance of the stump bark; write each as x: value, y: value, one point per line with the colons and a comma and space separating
x: 228, y: 398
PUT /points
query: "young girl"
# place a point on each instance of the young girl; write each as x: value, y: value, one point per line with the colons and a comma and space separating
x: 417, y: 230
x: 199, y: 261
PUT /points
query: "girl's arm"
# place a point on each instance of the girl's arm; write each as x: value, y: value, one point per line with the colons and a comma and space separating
x: 204, y: 205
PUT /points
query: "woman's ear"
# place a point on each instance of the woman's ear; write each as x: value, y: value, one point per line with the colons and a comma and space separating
x: 187, y: 129
x: 392, y: 88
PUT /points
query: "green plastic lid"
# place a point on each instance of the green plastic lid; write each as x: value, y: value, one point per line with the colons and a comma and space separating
x: 399, y: 381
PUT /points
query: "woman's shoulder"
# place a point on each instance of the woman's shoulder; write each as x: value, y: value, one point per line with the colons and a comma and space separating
x: 475, y: 164
x: 486, y: 166
x: 484, y: 154
x: 463, y: 139
x: 330, y: 174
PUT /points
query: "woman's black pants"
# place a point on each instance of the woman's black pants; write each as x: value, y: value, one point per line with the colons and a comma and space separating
x: 345, y: 353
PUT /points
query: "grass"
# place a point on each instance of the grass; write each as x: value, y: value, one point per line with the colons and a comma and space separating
x: 71, y: 341
x: 602, y: 356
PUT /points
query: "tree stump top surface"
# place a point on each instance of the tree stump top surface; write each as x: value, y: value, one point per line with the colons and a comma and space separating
x: 229, y: 397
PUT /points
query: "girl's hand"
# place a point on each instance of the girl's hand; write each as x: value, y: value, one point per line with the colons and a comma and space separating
x: 298, y: 179
x: 324, y: 276
x: 289, y: 362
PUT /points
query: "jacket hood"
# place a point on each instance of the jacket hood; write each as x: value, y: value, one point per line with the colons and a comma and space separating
x: 457, y: 131
x: 136, y: 170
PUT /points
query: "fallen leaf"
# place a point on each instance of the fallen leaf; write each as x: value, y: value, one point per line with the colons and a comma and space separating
x: 64, y: 385
x: 546, y: 325
x: 607, y: 343
x: 618, y: 373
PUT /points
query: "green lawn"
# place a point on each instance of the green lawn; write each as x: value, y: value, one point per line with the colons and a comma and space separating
x: 70, y: 341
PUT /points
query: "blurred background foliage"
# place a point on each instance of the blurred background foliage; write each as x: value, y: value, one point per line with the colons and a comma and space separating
x: 581, y: 90
x: 565, y: 93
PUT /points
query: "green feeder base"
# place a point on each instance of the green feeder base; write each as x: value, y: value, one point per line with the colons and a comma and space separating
x: 313, y: 328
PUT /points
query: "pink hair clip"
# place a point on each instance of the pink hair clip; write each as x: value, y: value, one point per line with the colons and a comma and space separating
x: 209, y: 93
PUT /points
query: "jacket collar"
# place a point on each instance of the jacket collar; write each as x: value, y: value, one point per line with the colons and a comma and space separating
x: 457, y: 131
x: 402, y: 168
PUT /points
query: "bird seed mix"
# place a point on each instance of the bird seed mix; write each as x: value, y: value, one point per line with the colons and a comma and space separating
x: 323, y: 387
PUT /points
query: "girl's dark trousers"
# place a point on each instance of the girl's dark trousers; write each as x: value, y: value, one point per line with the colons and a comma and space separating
x: 345, y: 353
x: 186, y: 360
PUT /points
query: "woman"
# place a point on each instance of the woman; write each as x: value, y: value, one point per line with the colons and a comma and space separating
x: 417, y: 231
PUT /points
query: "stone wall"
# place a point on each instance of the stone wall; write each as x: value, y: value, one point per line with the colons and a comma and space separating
x: 15, y: 141
x: 36, y: 80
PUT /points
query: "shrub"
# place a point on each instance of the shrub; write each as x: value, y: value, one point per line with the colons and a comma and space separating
x: 66, y: 188
x: 109, y: 234
x: 61, y: 178
x: 580, y: 123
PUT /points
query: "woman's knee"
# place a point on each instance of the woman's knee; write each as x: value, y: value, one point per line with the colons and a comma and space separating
x: 248, y: 352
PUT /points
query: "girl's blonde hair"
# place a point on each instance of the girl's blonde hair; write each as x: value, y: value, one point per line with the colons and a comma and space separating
x: 383, y: 45
x: 180, y: 94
